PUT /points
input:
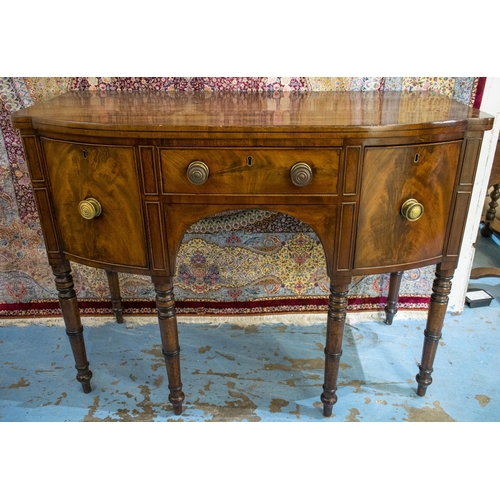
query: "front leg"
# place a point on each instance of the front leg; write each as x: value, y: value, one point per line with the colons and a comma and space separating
x: 167, y: 320
x: 437, y: 309
x: 71, y: 316
x: 337, y: 306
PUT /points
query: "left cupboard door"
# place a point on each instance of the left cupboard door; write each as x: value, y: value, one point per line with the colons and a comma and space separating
x: 97, y: 202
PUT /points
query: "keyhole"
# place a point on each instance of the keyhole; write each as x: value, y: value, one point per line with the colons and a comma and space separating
x: 249, y: 161
x: 416, y: 158
x: 84, y: 153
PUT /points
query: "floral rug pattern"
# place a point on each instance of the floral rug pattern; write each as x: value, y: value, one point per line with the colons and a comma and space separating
x: 239, y: 262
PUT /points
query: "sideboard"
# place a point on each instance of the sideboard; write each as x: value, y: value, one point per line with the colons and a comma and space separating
x: 384, y: 179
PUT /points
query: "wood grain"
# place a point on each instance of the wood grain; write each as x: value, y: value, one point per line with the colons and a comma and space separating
x: 107, y: 173
x: 390, y: 177
x: 250, y: 171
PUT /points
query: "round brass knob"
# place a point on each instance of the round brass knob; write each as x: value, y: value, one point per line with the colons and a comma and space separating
x: 197, y: 172
x: 301, y: 174
x: 412, y: 210
x: 89, y: 208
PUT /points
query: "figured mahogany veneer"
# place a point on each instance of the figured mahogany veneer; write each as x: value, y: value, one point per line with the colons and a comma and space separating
x: 108, y: 174
x: 232, y: 171
x: 384, y: 179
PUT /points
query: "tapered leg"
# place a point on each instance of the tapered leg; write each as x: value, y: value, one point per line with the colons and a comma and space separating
x: 392, y: 298
x: 74, y: 328
x: 437, y: 309
x: 490, y: 214
x: 337, y: 306
x: 167, y: 320
x: 114, y: 291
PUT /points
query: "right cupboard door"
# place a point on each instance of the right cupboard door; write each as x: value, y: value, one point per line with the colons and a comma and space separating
x: 418, y: 178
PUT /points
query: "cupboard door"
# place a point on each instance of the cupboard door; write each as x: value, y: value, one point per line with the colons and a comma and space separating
x: 107, y: 175
x: 418, y: 179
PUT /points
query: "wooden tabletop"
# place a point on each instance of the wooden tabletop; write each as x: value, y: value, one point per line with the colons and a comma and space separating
x: 157, y: 111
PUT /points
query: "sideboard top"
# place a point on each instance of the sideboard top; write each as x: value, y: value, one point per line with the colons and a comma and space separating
x: 161, y: 111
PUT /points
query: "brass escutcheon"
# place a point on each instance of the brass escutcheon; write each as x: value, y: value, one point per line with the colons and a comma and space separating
x: 89, y: 208
x: 412, y: 210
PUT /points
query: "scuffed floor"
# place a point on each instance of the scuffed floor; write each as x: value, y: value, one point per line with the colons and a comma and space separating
x: 256, y: 373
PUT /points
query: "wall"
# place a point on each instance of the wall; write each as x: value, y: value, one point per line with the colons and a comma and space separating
x: 490, y: 103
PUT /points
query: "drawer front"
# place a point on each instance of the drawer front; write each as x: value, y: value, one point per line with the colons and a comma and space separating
x: 391, y: 177
x: 252, y: 171
x: 107, y: 174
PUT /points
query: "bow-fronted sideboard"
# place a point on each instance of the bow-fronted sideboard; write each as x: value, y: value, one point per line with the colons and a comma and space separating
x: 384, y: 179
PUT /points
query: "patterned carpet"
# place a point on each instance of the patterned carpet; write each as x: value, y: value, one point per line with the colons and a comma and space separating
x: 239, y: 262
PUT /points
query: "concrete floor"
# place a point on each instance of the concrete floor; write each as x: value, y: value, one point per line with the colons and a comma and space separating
x: 268, y: 372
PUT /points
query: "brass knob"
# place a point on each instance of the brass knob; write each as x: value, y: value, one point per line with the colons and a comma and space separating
x: 197, y: 172
x: 412, y: 210
x: 301, y: 174
x: 89, y: 208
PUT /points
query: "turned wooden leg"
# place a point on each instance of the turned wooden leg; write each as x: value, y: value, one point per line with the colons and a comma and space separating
x: 432, y: 334
x: 392, y: 298
x: 334, y: 332
x: 167, y: 320
x: 490, y: 214
x: 74, y: 328
x: 114, y: 291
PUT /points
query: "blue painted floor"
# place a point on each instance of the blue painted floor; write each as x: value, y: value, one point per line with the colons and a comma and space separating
x: 256, y: 373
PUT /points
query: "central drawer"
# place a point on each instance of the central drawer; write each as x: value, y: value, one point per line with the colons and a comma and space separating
x: 250, y: 171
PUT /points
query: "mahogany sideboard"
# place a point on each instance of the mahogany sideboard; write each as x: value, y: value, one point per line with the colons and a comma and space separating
x: 384, y: 179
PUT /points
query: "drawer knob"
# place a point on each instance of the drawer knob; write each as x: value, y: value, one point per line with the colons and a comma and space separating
x: 412, y: 210
x: 89, y: 208
x: 197, y: 173
x: 301, y: 174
